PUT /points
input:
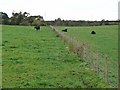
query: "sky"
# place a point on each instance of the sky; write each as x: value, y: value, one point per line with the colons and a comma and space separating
x: 119, y: 10
x: 64, y: 9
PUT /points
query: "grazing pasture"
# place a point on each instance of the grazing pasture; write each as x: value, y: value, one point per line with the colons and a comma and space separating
x: 104, y: 42
x: 39, y: 59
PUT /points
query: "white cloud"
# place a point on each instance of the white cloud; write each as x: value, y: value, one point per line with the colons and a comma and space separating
x: 65, y: 9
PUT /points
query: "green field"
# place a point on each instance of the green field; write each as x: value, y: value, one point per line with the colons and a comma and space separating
x: 104, y: 42
x: 39, y: 59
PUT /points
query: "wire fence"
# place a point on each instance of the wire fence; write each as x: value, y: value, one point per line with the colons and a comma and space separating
x: 96, y: 61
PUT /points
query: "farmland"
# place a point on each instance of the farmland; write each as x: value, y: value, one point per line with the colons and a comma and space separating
x: 39, y: 59
x: 105, y: 42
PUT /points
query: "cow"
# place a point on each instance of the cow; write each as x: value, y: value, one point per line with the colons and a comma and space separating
x: 37, y: 27
x: 93, y: 32
x: 65, y: 30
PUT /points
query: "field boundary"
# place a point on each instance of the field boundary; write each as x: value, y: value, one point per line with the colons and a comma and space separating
x: 96, y: 61
x: 0, y: 56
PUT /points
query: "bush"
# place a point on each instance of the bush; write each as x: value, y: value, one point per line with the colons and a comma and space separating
x: 25, y: 23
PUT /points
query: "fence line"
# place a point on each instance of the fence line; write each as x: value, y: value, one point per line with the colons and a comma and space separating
x: 98, y: 62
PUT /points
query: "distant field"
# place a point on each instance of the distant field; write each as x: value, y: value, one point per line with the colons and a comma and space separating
x: 105, y: 42
x: 39, y: 59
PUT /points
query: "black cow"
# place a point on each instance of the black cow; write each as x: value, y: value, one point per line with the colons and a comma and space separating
x: 37, y: 27
x: 93, y: 32
x: 65, y: 30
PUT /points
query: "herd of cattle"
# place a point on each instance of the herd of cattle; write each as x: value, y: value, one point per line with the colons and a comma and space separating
x: 37, y: 27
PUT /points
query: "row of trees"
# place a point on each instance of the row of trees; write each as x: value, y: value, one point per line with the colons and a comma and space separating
x: 59, y: 22
x: 25, y: 19
x: 21, y: 19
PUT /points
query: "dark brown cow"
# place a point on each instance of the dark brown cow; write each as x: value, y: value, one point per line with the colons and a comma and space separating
x: 65, y: 30
x: 37, y: 27
x: 93, y: 32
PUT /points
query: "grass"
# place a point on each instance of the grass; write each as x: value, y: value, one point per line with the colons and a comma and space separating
x: 39, y: 59
x: 104, y: 42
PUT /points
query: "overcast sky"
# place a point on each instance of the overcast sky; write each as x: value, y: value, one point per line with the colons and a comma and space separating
x: 65, y: 9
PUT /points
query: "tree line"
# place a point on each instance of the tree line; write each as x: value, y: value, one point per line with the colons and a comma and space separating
x: 28, y: 20
x: 20, y: 19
